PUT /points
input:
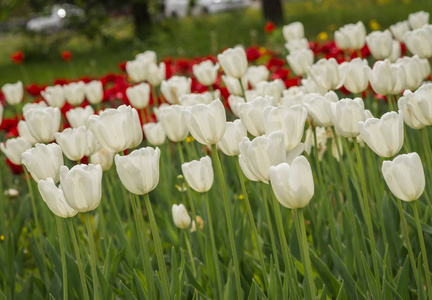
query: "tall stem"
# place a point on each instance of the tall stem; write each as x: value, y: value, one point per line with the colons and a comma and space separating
x: 158, y: 247
x: 215, y: 158
x: 242, y: 88
x: 189, y: 249
x: 63, y: 257
x: 214, y: 249
x: 78, y: 257
x: 93, y: 255
x: 423, y: 249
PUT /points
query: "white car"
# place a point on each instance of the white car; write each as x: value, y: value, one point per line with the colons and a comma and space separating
x: 56, y: 20
x: 180, y: 8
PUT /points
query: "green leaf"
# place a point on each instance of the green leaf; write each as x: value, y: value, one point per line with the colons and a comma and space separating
x: 139, y: 284
x: 325, y: 274
x: 420, y: 286
x: 26, y: 291
x: 255, y: 292
x: 126, y: 292
x: 371, y: 281
x: 403, y: 280
x: 392, y: 290
x: 341, y: 295
x: 174, y: 275
x: 340, y: 267
x: 275, y: 286
x: 323, y: 293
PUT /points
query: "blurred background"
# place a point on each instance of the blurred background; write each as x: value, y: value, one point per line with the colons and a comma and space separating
x: 41, y: 40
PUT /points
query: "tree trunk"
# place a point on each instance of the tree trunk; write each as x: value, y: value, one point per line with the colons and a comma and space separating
x: 272, y: 10
x: 142, y: 19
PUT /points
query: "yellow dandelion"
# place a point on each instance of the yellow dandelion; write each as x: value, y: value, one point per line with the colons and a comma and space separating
x: 323, y: 36
x: 241, y: 197
x: 374, y: 25
x: 2, y: 237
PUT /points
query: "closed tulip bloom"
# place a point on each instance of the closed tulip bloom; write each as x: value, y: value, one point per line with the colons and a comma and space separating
x: 117, y: 129
x: 73, y: 142
x: 245, y: 169
x: 82, y: 186
x: 351, y: 36
x: 43, y: 161
x: 263, y: 152
x: 154, y: 133
x: 54, y: 96
x: 30, y: 106
x: 13, y: 92
x: 234, y: 62
x: 234, y: 133
x: 354, y: 75
x: 419, y: 103
x: 147, y: 56
x: 233, y: 101
x: 256, y: 74
x: 104, y: 158
x: 300, y: 60
x: 251, y: 115
x: 14, y: 148
x: 92, y: 144
x: 139, y: 95
x: 419, y: 41
x: 94, y: 91
x: 156, y: 73
x: 319, y: 108
x: 175, y: 87
x: 291, y: 121
x: 271, y: 88
x: 310, y: 86
x: 298, y: 44
x: 206, y: 122
x: 405, y: 176
x: 399, y: 29
x: 199, y: 174
x: 325, y: 74
x: 418, y: 19
x: 346, y: 115
x: 411, y: 67
x: 386, y: 78
x: 75, y: 92
x: 384, y: 136
x: 408, y: 116
x: 233, y: 85
x: 194, y: 98
x: 43, y: 123
x: 24, y: 132
x: 139, y: 171
x: 173, y: 122
x: 380, y: 43
x: 137, y: 70
x: 78, y: 117
x: 180, y: 216
x: 293, y: 96
x: 54, y: 199
x: 293, y: 184
x: 293, y: 31
x: 206, y: 72
x: 396, y: 51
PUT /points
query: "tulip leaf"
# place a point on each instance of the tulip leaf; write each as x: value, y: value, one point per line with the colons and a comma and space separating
x: 341, y: 294
x: 391, y: 289
x: 275, y: 286
x: 371, y: 280
x: 425, y: 228
x: 139, y: 284
x: 126, y: 292
x: 255, y: 292
x: 323, y: 295
x: 27, y: 289
x: 325, y: 274
x: 403, y: 280
x: 341, y: 268
x: 420, y: 285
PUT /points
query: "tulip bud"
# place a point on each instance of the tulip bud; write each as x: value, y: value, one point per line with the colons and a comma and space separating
x: 14, y: 148
x: 233, y: 85
x: 351, y: 36
x: 200, y: 222
x: 300, y: 60
x: 297, y: 44
x: 173, y: 122
x: 78, y: 117
x: 380, y: 43
x: 43, y: 123
x: 139, y: 95
x: 199, y: 174
x: 175, y: 87
x: 117, y: 129
x: 234, y: 133
x: 94, y: 91
x: 54, y: 199
x: 24, y: 132
x: 43, y: 161
x: 411, y: 67
x: 419, y: 103
x: 136, y: 70
x: 156, y: 74
x: 293, y: 184
x: 293, y: 31
x: 291, y: 121
x: 257, y: 74
x: 325, y: 74
x: 384, y: 136
x: 346, y: 115
x: 251, y: 115
x: 104, y: 158
x: 418, y: 19
x: 399, y: 29
x: 419, y: 41
x: 319, y: 108
x: 75, y: 92
x: 354, y: 75
x: 82, y: 186
x: 154, y: 133
x: 139, y: 171
x: 405, y: 176
x: 13, y: 92
x: 206, y: 72
x: 73, y: 142
x: 234, y: 62
x: 54, y: 96
x: 147, y: 57
x: 387, y: 78
x: 261, y: 153
x: 180, y: 216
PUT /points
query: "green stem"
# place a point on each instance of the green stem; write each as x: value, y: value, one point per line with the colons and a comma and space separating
x: 255, y: 235
x: 158, y: 247
x: 215, y: 158
x: 304, y: 251
x: 189, y: 249
x: 367, y: 215
x: 214, y: 249
x: 426, y: 146
x: 93, y: 256
x: 407, y: 240
x: 78, y: 257
x: 211, y: 89
x: 2, y: 201
x: 423, y: 249
x: 143, y: 243
x: 242, y: 88
x: 63, y: 257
